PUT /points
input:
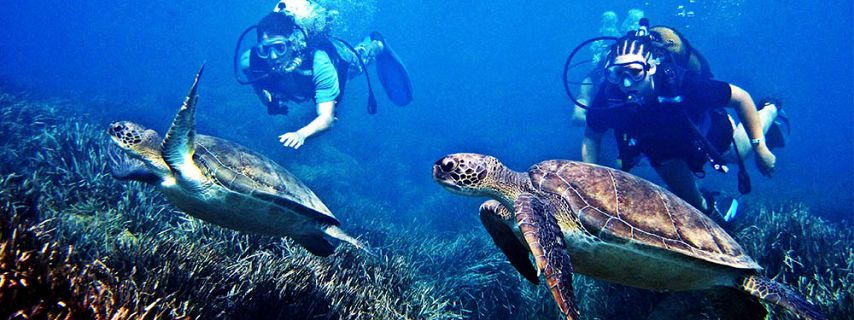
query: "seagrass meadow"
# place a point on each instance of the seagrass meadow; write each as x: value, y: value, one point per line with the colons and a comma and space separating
x: 77, y: 244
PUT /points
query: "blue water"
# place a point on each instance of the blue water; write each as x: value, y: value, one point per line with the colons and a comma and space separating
x: 486, y: 75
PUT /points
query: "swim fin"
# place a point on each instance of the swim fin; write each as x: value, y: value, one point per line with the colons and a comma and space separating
x: 724, y: 207
x: 392, y: 74
x: 778, y: 133
x: 732, y: 211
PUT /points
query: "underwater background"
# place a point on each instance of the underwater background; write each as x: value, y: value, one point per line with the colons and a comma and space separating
x: 487, y: 79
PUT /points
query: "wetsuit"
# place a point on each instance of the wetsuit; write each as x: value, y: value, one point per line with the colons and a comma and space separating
x: 323, y: 79
x: 661, y: 130
x: 316, y: 80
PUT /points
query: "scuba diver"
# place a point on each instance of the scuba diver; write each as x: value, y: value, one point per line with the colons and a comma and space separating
x: 291, y: 63
x: 658, y: 96
x: 600, y: 50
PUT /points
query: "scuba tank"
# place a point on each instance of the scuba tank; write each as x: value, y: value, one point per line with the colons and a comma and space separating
x: 670, y: 42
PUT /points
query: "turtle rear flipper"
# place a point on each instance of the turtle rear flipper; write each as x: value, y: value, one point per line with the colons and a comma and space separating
x: 541, y: 231
x: 779, y: 294
x: 494, y: 216
x: 324, y: 244
x: 315, y: 244
x: 338, y: 234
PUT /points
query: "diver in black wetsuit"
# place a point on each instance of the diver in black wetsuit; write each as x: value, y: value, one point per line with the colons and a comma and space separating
x: 674, y: 117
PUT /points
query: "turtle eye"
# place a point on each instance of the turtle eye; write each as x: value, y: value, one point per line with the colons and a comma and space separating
x: 448, y: 165
x: 116, y: 128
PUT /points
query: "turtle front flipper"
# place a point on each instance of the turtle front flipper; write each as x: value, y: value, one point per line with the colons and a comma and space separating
x: 541, y: 231
x: 179, y: 145
x: 495, y: 217
x: 124, y: 168
x: 779, y: 294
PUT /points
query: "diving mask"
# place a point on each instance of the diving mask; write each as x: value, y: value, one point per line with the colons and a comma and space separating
x: 282, y: 45
x: 634, y: 71
x: 265, y: 49
x: 285, y: 54
x: 278, y: 46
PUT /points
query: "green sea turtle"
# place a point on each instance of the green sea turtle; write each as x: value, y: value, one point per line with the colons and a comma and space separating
x: 610, y: 225
x: 224, y: 183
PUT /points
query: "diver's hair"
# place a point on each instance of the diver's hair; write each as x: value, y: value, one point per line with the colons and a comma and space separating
x: 632, y: 45
x: 276, y: 23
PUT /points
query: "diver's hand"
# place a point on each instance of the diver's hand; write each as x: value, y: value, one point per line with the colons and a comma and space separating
x: 765, y: 160
x: 292, y: 139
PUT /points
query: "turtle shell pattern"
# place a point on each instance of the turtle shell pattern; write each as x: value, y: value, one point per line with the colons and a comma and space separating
x: 242, y: 170
x: 620, y: 208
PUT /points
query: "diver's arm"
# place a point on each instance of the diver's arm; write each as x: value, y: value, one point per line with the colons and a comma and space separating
x: 324, y: 120
x: 746, y: 110
x: 579, y: 115
x: 590, y: 145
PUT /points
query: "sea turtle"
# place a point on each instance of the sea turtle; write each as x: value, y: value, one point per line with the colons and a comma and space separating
x: 610, y: 225
x: 224, y: 183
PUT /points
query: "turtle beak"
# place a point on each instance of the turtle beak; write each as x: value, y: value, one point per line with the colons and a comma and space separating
x: 440, y: 175
x: 115, y: 130
x: 444, y: 179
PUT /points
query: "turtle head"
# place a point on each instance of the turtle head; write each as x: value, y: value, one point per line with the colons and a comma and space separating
x: 138, y: 143
x: 472, y: 174
x: 135, y: 139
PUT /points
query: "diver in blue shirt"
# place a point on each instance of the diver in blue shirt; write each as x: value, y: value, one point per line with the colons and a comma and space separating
x: 290, y: 64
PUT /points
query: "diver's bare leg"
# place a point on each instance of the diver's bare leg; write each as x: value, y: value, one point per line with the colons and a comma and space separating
x: 766, y: 116
x: 679, y: 178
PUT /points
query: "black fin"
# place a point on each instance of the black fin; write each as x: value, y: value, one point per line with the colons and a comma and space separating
x: 778, y: 134
x: 392, y: 73
x: 317, y: 245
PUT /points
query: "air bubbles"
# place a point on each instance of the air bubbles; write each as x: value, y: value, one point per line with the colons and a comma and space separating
x: 686, y: 11
x: 683, y: 11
